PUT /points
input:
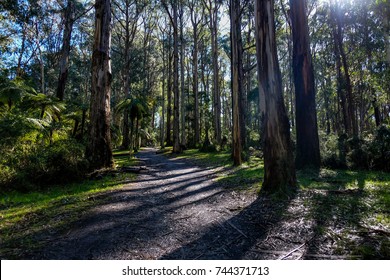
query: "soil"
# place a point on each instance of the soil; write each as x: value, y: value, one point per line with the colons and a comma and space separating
x: 177, y: 210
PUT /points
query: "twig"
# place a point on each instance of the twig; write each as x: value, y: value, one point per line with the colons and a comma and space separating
x: 233, y: 226
x: 292, y: 251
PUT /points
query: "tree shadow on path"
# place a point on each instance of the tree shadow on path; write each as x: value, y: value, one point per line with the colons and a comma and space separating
x: 174, y: 211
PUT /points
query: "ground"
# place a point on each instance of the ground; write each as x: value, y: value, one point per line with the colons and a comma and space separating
x: 178, y: 210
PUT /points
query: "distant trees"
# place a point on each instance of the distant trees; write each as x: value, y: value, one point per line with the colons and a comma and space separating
x: 190, y: 82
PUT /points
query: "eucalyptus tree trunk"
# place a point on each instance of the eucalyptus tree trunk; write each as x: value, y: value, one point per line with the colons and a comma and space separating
x: 169, y: 97
x: 352, y: 128
x: 308, y: 149
x: 176, y: 93
x: 99, y: 151
x: 130, y: 26
x: 195, y: 82
x: 279, y: 169
x: 182, y: 83
x: 65, y: 51
x: 237, y: 81
x: 213, y: 8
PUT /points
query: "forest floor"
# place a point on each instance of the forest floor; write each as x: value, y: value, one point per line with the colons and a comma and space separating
x: 183, y: 208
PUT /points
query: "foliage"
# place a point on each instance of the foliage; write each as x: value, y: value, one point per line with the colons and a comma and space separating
x: 36, y: 147
x: 36, y: 166
x: 371, y: 152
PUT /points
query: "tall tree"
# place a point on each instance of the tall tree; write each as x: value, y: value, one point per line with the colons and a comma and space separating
x: 308, y: 150
x: 182, y: 78
x: 196, y: 20
x: 99, y: 152
x: 345, y: 79
x: 65, y: 51
x: 237, y: 81
x: 213, y: 10
x: 279, y: 165
x: 173, y: 16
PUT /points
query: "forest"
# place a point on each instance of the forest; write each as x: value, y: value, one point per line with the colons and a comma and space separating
x: 251, y: 129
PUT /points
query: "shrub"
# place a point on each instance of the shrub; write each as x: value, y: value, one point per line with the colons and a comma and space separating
x: 380, y: 149
x: 358, y: 156
x: 31, y: 167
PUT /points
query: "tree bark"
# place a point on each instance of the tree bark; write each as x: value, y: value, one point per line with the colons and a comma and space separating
x: 65, y: 51
x: 169, y: 97
x: 308, y: 150
x: 195, y: 83
x: 279, y: 169
x: 213, y: 7
x: 346, y: 82
x: 237, y: 82
x: 176, y: 93
x: 182, y: 83
x: 99, y: 151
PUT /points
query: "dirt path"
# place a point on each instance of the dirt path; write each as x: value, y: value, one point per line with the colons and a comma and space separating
x: 165, y: 213
x: 176, y: 210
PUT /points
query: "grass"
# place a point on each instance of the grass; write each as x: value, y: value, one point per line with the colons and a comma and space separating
x: 25, y: 218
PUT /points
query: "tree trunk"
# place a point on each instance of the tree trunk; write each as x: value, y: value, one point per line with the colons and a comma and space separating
x: 169, y: 96
x: 65, y: 51
x: 176, y: 93
x: 308, y: 150
x: 237, y: 81
x: 213, y: 7
x: 99, y: 151
x: 352, y: 123
x: 182, y: 84
x: 195, y: 82
x: 19, y: 71
x: 340, y: 83
x: 279, y: 169
x: 217, y: 94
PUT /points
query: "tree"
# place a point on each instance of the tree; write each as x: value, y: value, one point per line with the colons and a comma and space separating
x: 237, y: 81
x: 173, y: 16
x: 308, y: 150
x: 196, y: 20
x: 213, y: 10
x: 99, y: 151
x: 65, y: 51
x: 279, y: 169
x: 345, y: 85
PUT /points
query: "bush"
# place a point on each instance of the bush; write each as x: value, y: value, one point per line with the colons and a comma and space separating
x: 333, y: 150
x: 368, y: 152
x: 358, y: 156
x: 380, y: 149
x: 31, y: 167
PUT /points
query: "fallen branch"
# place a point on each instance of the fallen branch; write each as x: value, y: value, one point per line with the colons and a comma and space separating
x: 133, y: 169
x: 233, y: 226
x: 292, y: 251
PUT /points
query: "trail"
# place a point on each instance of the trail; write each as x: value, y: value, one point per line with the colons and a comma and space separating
x: 169, y: 206
x: 177, y: 210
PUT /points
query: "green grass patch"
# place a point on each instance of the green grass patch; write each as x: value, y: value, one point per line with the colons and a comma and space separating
x: 215, y: 159
x: 25, y: 218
